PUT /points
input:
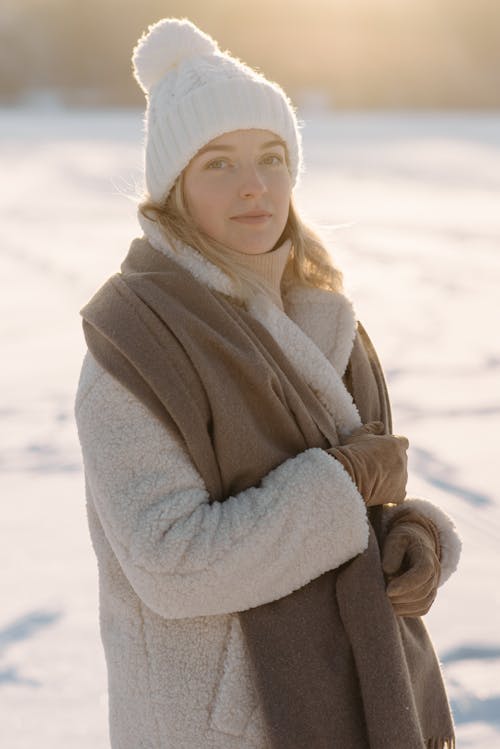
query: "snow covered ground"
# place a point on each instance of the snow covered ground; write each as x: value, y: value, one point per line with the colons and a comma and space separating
x: 416, y: 202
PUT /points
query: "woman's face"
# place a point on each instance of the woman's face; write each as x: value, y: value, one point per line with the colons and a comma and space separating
x: 239, y: 172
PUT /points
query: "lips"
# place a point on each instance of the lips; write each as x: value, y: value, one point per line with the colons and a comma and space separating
x: 252, y: 217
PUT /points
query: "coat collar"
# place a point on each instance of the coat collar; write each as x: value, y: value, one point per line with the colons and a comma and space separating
x: 316, y: 330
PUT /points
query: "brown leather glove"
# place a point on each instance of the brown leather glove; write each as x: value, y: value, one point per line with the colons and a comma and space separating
x: 371, y: 427
x: 376, y: 462
x: 411, y: 560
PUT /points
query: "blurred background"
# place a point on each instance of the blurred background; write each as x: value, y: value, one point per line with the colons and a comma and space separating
x: 353, y: 53
x: 400, y: 105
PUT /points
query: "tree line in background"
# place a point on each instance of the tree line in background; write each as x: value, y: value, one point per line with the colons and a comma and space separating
x: 352, y: 53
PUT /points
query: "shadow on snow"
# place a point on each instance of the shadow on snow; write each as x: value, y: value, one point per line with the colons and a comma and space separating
x: 21, y: 629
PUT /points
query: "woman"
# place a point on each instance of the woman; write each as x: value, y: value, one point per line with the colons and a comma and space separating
x: 237, y: 495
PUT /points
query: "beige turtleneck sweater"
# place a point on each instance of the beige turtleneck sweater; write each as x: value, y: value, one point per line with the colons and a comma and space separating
x: 269, y: 266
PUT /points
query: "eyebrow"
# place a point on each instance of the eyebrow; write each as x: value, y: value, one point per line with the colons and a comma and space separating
x: 268, y: 144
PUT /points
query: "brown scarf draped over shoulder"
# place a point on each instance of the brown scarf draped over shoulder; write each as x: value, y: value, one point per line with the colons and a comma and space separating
x: 333, y: 667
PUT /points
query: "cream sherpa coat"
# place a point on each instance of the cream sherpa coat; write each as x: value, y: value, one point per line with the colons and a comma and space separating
x: 173, y: 569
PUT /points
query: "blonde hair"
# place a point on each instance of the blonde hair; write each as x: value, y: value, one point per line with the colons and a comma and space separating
x: 309, y: 263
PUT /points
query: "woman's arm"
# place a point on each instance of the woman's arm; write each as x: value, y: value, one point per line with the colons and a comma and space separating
x: 186, y: 557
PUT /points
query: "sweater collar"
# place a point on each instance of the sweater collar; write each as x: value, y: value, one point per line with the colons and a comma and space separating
x: 269, y: 266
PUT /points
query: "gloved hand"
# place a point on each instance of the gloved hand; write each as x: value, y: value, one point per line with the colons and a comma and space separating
x: 411, y: 560
x: 376, y: 462
x: 371, y: 427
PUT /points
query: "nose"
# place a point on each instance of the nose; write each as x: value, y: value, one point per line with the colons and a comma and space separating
x: 252, y: 184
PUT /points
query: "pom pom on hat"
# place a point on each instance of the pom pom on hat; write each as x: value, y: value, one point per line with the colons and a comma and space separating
x: 165, y: 45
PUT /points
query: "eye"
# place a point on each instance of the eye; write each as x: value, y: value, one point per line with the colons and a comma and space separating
x: 215, y: 164
x: 269, y: 159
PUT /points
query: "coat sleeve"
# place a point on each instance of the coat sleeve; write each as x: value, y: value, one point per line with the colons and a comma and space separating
x: 185, y: 556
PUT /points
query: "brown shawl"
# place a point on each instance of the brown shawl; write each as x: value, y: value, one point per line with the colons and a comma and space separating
x: 333, y: 666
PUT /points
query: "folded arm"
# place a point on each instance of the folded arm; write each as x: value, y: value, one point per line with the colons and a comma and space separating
x: 185, y: 556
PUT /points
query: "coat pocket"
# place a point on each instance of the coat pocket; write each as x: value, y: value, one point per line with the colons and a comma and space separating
x: 235, y: 700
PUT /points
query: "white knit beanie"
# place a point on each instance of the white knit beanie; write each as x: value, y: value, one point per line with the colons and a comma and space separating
x: 195, y: 92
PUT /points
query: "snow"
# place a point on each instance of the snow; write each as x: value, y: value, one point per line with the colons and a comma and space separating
x: 409, y: 204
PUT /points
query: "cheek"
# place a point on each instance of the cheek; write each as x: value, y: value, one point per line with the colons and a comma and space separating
x: 282, y: 193
x: 280, y: 184
x: 205, y: 205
